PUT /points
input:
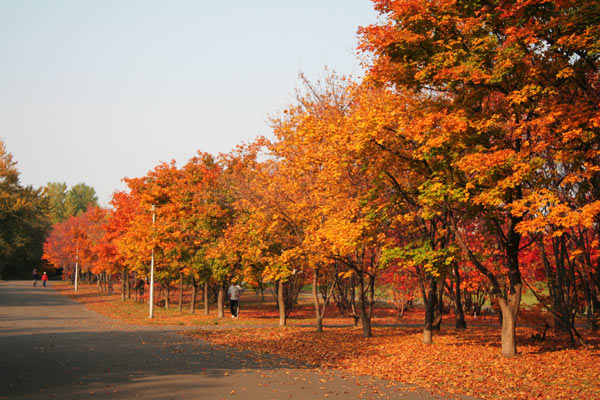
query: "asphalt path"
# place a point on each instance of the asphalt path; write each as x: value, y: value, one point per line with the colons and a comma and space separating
x: 52, y: 347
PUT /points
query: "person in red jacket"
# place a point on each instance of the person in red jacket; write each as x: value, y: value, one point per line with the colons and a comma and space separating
x: 44, y: 279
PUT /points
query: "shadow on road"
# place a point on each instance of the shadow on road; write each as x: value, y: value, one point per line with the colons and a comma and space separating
x: 77, y: 362
x: 53, y: 347
x: 25, y: 296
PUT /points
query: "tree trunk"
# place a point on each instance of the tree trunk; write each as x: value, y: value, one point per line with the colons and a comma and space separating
x: 142, y: 289
x: 430, y: 302
x: 593, y: 310
x: 123, y: 284
x: 459, y: 312
x: 315, y: 292
x: 510, y: 302
x: 221, y: 302
x: 365, y: 319
x: 281, y: 303
x: 562, y: 321
x: 556, y: 283
x: 180, y: 305
x: 194, y: 293
x: 167, y: 294
x: 510, y: 309
x: 206, y: 308
x: 355, y: 315
x: 135, y: 287
x: 587, y: 295
x: 590, y: 289
x: 439, y: 308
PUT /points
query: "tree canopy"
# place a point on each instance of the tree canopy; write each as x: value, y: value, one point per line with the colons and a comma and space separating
x: 23, y: 222
x: 465, y: 163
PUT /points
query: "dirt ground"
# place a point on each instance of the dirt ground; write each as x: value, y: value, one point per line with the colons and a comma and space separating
x: 53, y: 347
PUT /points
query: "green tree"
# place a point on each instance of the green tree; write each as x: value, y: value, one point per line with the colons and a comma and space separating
x: 65, y: 203
x: 56, y: 192
x: 79, y: 198
x: 23, y: 222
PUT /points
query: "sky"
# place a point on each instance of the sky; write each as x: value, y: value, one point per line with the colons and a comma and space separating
x: 95, y: 91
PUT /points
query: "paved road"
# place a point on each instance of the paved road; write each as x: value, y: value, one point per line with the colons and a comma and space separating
x: 53, y: 347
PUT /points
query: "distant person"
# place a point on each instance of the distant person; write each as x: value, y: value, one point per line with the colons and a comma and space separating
x: 35, y: 277
x: 234, y: 292
x: 44, y: 279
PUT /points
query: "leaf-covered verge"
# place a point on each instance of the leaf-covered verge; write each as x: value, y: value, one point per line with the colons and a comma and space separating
x: 459, y: 362
x: 133, y: 312
x: 253, y: 311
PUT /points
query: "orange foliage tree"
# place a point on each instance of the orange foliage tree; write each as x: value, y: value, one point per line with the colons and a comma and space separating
x: 74, y: 241
x: 203, y: 205
x: 523, y: 81
x: 268, y: 225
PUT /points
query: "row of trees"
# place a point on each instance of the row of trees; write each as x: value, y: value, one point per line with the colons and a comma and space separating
x: 511, y: 93
x: 467, y: 157
x: 27, y: 214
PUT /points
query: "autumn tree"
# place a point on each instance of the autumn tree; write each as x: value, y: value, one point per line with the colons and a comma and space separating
x: 265, y: 229
x: 72, y: 243
x: 347, y: 215
x: 396, y: 135
x: 511, y: 71
x: 112, y: 256
x: 57, y: 249
x: 94, y: 221
x: 402, y: 288
x: 153, y: 228
x: 204, y: 208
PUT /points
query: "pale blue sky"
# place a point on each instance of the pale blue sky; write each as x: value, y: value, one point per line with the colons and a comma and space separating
x: 94, y: 91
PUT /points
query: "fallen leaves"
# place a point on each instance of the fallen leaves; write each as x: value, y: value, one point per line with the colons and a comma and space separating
x: 459, y: 362
x: 465, y: 362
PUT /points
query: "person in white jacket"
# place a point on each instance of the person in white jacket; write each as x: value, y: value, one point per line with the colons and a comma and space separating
x: 234, y: 292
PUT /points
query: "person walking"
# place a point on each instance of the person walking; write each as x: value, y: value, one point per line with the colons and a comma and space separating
x: 234, y: 292
x: 35, y: 277
x: 44, y: 279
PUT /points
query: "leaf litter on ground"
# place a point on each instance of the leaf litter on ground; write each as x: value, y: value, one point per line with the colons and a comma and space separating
x: 459, y: 362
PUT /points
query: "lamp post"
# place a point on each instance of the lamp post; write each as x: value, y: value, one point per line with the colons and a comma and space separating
x: 76, y: 268
x: 151, y: 300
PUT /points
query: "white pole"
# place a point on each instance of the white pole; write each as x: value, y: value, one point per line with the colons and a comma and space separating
x: 152, y: 286
x: 76, y: 269
x: 151, y: 299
